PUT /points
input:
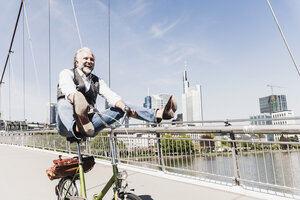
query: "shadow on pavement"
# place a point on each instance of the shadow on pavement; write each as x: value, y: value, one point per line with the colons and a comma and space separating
x: 145, y: 197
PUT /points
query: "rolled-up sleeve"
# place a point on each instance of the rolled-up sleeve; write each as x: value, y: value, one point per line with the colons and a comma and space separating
x: 111, y: 97
x: 66, y: 83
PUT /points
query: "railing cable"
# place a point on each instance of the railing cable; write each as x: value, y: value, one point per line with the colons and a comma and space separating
x: 283, y: 37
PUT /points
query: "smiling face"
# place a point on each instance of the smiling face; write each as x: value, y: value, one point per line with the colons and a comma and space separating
x: 85, y: 61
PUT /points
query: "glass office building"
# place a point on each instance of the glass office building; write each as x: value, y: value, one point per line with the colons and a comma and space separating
x: 147, y: 103
x: 273, y: 104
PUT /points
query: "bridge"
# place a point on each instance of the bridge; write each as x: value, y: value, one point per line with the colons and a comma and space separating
x: 29, y: 180
x: 173, y: 161
x: 181, y: 165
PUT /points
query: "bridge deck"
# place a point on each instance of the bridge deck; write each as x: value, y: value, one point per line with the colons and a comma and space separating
x: 23, y: 175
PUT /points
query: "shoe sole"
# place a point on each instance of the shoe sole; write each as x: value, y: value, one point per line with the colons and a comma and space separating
x: 170, y: 108
x: 174, y: 104
x: 81, y: 116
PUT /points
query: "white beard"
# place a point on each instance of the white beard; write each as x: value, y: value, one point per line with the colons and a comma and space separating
x: 86, y: 70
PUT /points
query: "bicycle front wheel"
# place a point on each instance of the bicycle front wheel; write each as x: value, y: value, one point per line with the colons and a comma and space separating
x: 129, y: 196
x: 63, y: 186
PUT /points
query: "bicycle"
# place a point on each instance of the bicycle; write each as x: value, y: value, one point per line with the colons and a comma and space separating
x: 67, y: 189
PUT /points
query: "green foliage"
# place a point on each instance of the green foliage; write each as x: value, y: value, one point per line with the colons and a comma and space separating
x: 100, y: 145
x: 294, y: 139
x: 284, y: 139
x: 173, y: 146
x: 207, y: 145
x: 224, y: 143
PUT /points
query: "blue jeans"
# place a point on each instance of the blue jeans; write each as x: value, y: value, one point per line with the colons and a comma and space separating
x: 66, y: 121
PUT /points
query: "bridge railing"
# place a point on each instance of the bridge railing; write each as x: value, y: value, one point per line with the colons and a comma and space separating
x: 231, y: 155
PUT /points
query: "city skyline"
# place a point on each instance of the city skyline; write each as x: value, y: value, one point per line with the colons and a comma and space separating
x: 233, y: 50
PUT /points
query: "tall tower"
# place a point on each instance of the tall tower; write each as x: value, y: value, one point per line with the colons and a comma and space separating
x: 185, y: 82
x: 191, y: 101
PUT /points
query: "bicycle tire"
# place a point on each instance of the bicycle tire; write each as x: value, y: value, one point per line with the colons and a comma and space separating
x: 129, y: 196
x: 62, y: 187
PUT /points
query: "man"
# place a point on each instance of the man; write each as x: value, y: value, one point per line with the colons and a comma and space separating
x: 78, y: 88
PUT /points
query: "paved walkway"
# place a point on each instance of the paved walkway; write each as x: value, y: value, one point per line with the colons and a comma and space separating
x: 23, y: 177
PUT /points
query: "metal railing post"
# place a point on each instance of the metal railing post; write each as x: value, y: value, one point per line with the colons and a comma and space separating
x: 160, y: 153
x: 235, y: 159
x: 42, y: 142
x: 88, y: 146
x: 54, y: 143
x: 33, y: 136
x: 116, y: 148
x: 22, y: 139
x: 69, y: 147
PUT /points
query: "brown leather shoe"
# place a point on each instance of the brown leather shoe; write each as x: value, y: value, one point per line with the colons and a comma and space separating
x: 170, y: 108
x: 80, y: 106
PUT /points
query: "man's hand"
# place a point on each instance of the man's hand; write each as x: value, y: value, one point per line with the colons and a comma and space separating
x: 121, y: 105
x: 132, y: 114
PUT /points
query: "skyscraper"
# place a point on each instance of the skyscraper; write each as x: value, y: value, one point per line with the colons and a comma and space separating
x: 191, y: 101
x: 51, y: 113
x: 158, y: 101
x: 147, y: 103
x: 273, y: 104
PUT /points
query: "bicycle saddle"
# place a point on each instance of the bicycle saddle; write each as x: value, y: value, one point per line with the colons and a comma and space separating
x: 73, y: 139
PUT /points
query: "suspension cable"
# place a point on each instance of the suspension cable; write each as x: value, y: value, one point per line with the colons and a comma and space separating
x: 108, y: 24
x: 31, y: 48
x: 283, y: 37
x: 24, y: 65
x: 108, y: 30
x: 11, y: 83
x: 11, y: 42
x: 77, y: 27
x: 49, y: 74
x: 9, y: 89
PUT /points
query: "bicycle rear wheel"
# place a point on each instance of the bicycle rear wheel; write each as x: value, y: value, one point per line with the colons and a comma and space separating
x: 129, y: 196
x: 63, y: 186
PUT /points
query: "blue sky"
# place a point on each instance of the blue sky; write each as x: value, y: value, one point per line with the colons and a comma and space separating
x: 233, y: 50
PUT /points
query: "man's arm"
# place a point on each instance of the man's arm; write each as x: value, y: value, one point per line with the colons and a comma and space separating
x: 66, y: 84
x: 120, y: 104
x: 111, y: 97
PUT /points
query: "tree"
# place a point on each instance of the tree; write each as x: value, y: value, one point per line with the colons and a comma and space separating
x: 207, y: 144
x: 294, y: 139
x: 101, y: 145
x: 284, y: 139
x: 172, y: 145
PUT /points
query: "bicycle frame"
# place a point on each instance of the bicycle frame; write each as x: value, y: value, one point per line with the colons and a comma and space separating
x: 113, y: 180
x: 79, y: 172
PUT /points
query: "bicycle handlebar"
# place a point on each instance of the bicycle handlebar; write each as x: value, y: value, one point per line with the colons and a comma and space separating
x: 127, y: 111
